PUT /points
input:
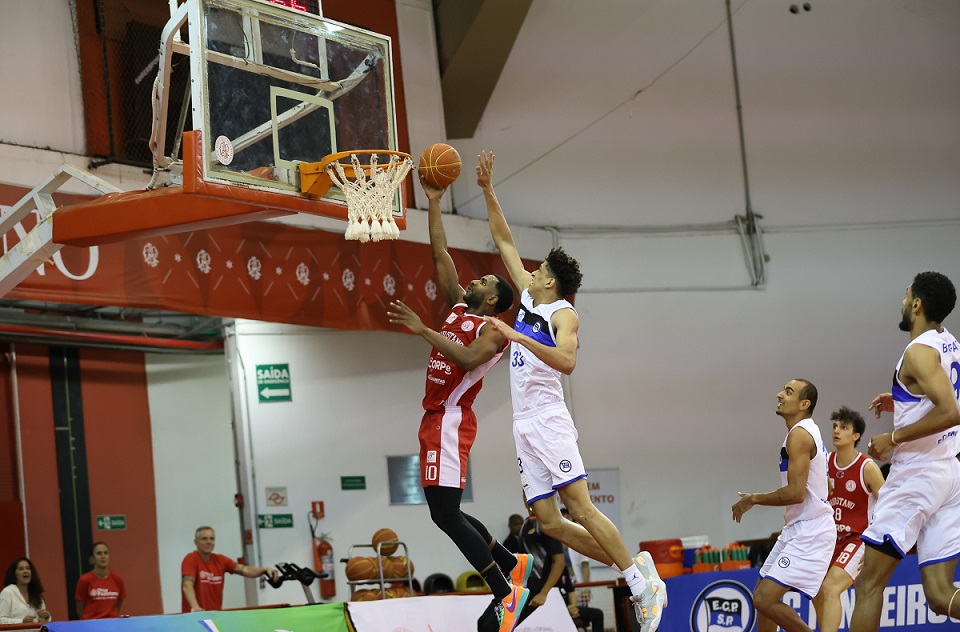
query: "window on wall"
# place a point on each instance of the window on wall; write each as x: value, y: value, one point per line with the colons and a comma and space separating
x: 403, y: 474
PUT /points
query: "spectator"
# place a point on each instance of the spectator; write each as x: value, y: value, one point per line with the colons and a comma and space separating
x: 21, y: 600
x: 202, y: 573
x: 512, y: 541
x: 100, y: 593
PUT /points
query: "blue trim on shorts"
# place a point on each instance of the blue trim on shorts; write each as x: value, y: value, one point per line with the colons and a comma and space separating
x: 943, y: 559
x: 572, y: 480
x: 886, y: 538
x: 777, y: 581
x: 530, y: 501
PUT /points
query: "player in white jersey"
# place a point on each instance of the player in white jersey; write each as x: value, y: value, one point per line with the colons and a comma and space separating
x: 920, y: 501
x: 544, y: 346
x: 801, y: 557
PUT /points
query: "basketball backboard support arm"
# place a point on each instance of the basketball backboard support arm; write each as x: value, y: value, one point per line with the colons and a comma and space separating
x: 38, y: 246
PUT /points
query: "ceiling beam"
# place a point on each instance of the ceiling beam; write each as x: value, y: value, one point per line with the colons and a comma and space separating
x: 474, y: 40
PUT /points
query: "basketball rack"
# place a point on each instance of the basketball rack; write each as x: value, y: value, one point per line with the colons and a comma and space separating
x: 255, y: 137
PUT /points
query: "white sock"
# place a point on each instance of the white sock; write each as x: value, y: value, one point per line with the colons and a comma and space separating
x: 634, y: 579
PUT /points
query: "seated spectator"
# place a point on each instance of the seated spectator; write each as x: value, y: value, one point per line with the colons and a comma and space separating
x: 512, y: 541
x: 21, y: 600
x: 100, y: 593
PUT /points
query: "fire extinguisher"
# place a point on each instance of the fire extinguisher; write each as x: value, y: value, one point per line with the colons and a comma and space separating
x: 323, y: 558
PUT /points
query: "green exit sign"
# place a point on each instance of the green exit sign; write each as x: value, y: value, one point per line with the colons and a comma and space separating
x: 111, y: 523
x: 353, y: 482
x: 273, y: 383
x: 275, y: 521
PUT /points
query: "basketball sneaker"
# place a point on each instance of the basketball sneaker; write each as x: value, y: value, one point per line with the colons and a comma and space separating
x: 521, y: 572
x: 508, y: 611
x: 650, y: 603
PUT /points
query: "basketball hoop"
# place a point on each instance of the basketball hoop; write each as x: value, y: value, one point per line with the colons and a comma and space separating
x: 369, y: 190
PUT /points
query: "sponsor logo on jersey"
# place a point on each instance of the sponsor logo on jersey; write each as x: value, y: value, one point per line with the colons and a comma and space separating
x: 783, y: 562
x: 520, y: 315
x: 723, y: 605
x: 452, y: 317
x: 467, y: 325
x: 536, y: 328
x: 565, y: 466
x: 851, y: 486
x: 431, y: 456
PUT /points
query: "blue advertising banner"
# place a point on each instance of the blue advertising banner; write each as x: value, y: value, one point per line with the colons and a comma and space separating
x: 722, y: 602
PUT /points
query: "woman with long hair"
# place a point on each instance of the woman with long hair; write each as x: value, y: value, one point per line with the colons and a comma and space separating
x: 21, y: 600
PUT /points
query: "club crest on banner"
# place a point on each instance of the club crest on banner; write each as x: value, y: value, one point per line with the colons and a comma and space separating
x: 723, y: 605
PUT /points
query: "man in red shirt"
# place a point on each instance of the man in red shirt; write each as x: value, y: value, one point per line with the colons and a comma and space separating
x: 855, y: 481
x: 203, y: 572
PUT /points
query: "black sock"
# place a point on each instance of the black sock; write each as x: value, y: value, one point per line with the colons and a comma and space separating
x: 504, y: 558
x: 497, y: 582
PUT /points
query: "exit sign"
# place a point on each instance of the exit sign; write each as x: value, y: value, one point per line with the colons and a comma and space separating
x: 111, y: 523
x: 273, y: 383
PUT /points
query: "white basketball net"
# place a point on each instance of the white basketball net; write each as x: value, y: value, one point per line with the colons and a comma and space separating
x: 370, y: 196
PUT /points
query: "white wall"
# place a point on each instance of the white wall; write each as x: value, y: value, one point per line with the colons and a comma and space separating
x: 190, y: 421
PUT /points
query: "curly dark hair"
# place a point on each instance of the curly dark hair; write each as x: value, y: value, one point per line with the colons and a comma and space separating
x: 936, y: 294
x: 808, y: 392
x: 566, y: 270
x: 505, y: 295
x: 850, y: 416
x: 34, y: 588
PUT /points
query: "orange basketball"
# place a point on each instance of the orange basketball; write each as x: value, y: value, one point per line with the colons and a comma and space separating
x: 366, y: 594
x: 400, y: 566
x: 362, y: 568
x: 440, y: 165
x: 385, y: 535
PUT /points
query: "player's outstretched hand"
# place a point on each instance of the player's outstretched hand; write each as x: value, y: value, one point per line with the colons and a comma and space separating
x: 880, y: 445
x: 433, y: 193
x: 882, y: 403
x: 508, y: 332
x: 272, y: 573
x: 742, y: 506
x: 485, y: 169
x: 400, y: 314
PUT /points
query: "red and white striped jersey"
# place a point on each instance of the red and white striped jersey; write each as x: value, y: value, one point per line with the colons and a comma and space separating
x: 447, y: 384
x: 849, y: 498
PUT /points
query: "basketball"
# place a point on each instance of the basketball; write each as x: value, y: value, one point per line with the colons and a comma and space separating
x: 386, y: 535
x: 367, y: 594
x: 362, y: 568
x: 440, y: 165
x: 400, y: 566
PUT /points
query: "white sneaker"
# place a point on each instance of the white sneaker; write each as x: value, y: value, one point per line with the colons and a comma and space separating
x: 650, y: 603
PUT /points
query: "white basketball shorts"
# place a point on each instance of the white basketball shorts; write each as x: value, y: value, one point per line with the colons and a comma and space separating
x: 801, y: 557
x: 547, y: 452
x: 919, y: 504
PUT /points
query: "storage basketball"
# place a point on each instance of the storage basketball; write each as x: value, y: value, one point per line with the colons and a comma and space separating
x: 362, y: 568
x: 440, y: 165
x: 384, y: 536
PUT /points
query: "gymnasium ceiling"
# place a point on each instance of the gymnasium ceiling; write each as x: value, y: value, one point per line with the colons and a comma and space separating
x: 622, y: 113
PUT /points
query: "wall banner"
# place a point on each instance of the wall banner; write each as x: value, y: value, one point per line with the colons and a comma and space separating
x: 259, y: 270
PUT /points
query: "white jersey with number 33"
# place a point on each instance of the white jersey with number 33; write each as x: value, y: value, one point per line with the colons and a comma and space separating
x: 533, y: 383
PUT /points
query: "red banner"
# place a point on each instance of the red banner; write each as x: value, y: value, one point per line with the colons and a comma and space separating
x: 260, y: 270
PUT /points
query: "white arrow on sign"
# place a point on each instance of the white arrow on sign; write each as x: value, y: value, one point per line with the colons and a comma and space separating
x: 275, y: 392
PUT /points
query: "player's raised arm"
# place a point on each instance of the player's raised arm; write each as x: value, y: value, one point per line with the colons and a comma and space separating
x: 499, y: 229
x: 446, y: 270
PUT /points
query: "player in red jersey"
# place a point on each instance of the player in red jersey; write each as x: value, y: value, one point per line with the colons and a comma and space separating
x: 855, y: 482
x: 463, y: 351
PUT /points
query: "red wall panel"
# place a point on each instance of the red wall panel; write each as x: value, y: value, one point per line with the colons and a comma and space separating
x: 120, y: 469
x: 41, y: 487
